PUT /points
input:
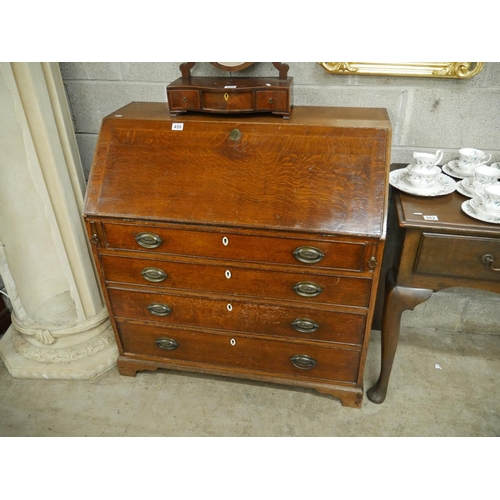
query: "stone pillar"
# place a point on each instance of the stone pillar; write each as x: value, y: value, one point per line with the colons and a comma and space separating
x: 60, y: 326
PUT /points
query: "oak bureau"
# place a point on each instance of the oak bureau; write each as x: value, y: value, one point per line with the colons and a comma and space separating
x: 243, y: 246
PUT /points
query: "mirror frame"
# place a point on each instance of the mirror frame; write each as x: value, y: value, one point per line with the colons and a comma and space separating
x: 461, y: 70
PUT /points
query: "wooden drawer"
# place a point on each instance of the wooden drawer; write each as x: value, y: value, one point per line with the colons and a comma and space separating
x: 242, y: 281
x: 241, y: 101
x: 457, y: 256
x: 275, y: 100
x: 184, y: 99
x: 238, y: 315
x: 240, y: 352
x: 220, y: 244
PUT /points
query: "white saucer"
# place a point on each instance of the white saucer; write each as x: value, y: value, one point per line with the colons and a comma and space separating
x: 473, y: 212
x: 464, y: 190
x: 453, y: 169
x: 443, y: 185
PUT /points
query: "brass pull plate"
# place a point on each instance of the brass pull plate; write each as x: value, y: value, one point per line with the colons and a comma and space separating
x: 307, y: 289
x: 159, y: 309
x: 154, y: 274
x: 167, y: 344
x: 148, y: 240
x: 309, y: 255
x: 304, y: 325
x: 303, y: 361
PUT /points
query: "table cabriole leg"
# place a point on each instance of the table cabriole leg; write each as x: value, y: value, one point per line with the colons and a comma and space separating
x: 397, y: 300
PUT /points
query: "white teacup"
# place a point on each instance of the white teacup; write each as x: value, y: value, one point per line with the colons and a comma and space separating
x: 427, y: 160
x: 483, y: 176
x: 488, y: 198
x: 416, y: 167
x: 422, y: 178
x: 470, y: 158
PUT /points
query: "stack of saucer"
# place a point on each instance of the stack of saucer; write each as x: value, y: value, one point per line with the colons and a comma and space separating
x: 482, y: 176
x: 453, y: 168
x: 468, y: 161
x: 485, y: 205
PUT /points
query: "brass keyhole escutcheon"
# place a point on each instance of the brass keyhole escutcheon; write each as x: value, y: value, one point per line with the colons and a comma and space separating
x: 235, y: 134
x: 226, y: 96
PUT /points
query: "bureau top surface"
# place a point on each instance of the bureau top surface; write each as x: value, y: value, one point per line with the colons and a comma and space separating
x: 325, y: 170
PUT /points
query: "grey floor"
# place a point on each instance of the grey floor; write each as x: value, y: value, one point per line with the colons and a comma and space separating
x: 443, y: 384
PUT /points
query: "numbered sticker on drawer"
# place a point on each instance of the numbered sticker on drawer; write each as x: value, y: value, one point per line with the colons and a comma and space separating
x: 177, y: 126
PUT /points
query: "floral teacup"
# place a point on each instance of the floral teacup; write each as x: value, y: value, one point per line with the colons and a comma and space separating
x: 471, y: 158
x: 422, y: 179
x: 427, y: 160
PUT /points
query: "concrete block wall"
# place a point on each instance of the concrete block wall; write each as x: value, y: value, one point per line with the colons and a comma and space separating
x: 426, y: 114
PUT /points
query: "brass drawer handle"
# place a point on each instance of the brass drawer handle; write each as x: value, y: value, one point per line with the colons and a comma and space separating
x: 309, y: 255
x: 307, y: 289
x: 303, y: 361
x: 148, y: 240
x: 304, y: 325
x: 167, y: 344
x: 271, y: 100
x: 159, y: 309
x: 154, y: 274
x: 488, y: 259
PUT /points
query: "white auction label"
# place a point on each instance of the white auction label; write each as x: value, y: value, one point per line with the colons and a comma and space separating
x: 431, y: 217
x: 177, y: 126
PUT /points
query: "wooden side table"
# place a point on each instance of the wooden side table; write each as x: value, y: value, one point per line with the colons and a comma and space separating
x: 453, y: 250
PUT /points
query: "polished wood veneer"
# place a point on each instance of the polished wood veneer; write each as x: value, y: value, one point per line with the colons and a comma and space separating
x: 343, y: 254
x: 244, y: 246
x: 245, y: 353
x: 244, y: 315
x: 239, y: 281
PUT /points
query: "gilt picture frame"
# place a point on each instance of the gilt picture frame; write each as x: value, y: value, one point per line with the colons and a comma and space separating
x: 460, y: 70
